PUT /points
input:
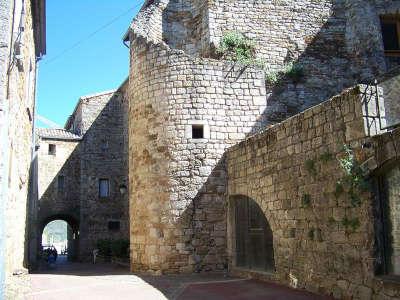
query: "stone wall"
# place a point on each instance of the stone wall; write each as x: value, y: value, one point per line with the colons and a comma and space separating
x: 56, y: 202
x: 103, y: 156
x: 17, y: 97
x: 292, y: 171
x: 336, y: 43
x: 177, y: 183
x: 94, y: 146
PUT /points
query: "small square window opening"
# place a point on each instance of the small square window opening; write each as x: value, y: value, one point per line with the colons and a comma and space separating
x: 114, y: 225
x: 104, y: 188
x: 52, y: 149
x: 197, y: 132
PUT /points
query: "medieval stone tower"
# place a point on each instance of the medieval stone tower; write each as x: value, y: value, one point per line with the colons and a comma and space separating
x: 187, y: 108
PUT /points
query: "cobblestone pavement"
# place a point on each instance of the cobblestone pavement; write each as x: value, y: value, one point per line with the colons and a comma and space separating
x: 103, y: 281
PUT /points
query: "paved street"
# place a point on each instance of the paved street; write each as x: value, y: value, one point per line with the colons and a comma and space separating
x: 103, y: 281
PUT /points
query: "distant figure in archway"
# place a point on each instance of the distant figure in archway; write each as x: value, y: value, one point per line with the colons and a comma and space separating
x: 58, y: 240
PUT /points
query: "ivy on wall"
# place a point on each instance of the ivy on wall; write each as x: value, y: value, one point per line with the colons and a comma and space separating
x: 353, y: 183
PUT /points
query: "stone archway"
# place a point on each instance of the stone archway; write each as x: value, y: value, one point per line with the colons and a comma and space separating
x: 73, y: 236
x: 251, y: 236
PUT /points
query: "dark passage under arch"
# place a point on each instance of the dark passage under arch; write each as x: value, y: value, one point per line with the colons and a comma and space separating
x: 253, y: 235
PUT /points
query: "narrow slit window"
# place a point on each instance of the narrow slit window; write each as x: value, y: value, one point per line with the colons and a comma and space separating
x: 52, y: 149
x: 197, y: 132
x: 104, y: 188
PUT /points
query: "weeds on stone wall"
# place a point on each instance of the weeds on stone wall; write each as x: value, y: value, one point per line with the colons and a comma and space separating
x: 326, y: 157
x: 236, y: 47
x: 292, y: 71
x: 311, y: 234
x: 310, y: 167
x: 353, y: 183
x: 352, y: 224
x: 306, y: 200
x: 338, y: 189
x: 353, y: 179
x: 272, y: 77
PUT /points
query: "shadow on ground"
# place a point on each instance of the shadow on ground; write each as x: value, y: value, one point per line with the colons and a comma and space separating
x: 75, y: 281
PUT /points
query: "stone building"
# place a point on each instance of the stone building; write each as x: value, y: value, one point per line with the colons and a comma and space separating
x: 22, y: 40
x: 326, y: 234
x: 73, y: 162
x: 230, y: 170
x: 187, y: 107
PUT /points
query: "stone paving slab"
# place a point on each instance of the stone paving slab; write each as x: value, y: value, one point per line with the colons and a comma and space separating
x: 105, y: 281
x: 244, y: 290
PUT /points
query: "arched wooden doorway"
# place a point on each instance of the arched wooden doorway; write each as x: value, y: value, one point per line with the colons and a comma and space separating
x: 253, y: 236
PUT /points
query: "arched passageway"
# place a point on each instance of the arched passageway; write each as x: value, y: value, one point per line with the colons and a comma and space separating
x: 62, y: 233
x: 253, y: 238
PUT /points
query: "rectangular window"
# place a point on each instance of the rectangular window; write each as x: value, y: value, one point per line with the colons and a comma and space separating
x: 52, y: 149
x: 60, y: 183
x: 197, y: 131
x: 390, y: 26
x: 114, y: 225
x: 104, y: 188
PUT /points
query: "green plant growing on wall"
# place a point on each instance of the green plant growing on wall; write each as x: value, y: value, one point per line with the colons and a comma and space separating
x: 310, y: 167
x: 272, y: 77
x: 293, y: 71
x: 353, y: 224
x: 236, y: 47
x: 331, y: 220
x: 354, y: 177
x: 311, y: 234
x: 326, y: 157
x: 338, y: 189
x: 306, y: 200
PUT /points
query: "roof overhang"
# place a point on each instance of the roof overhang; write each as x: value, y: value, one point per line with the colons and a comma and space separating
x: 39, y: 26
x: 126, y: 38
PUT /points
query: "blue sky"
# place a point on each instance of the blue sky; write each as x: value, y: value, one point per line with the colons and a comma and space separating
x: 98, y: 64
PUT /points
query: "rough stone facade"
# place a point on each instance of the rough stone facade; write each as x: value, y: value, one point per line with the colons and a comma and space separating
x: 91, y: 147
x: 20, y: 47
x: 177, y: 184
x: 103, y: 156
x: 314, y: 247
x: 337, y: 43
x: 57, y: 202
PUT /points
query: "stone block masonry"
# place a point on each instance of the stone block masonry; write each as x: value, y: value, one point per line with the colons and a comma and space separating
x: 103, y: 156
x: 93, y: 147
x: 18, y: 35
x: 177, y: 182
x: 336, y: 43
x: 314, y: 246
